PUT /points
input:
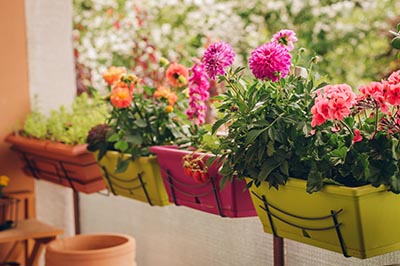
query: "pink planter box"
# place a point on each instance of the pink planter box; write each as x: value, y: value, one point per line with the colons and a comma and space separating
x: 232, y: 201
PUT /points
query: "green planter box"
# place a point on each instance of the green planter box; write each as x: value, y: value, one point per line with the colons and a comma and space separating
x: 141, y: 181
x: 361, y: 222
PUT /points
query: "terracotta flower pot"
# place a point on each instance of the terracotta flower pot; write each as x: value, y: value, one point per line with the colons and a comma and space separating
x: 92, y: 250
x: 68, y: 165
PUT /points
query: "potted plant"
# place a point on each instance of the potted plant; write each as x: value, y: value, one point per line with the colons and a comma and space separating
x: 53, y: 147
x: 142, y: 116
x: 321, y: 162
x: 190, y: 174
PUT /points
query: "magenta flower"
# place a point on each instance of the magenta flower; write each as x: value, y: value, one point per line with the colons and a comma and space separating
x: 285, y: 38
x: 217, y: 57
x: 270, y: 61
x: 198, y: 94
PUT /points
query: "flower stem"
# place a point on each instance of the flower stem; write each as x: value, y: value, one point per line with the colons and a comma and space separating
x: 347, y: 127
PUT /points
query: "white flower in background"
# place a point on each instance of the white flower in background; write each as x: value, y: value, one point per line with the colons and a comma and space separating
x: 124, y: 32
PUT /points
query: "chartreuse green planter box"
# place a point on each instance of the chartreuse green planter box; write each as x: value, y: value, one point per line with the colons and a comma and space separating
x: 141, y: 181
x: 359, y: 222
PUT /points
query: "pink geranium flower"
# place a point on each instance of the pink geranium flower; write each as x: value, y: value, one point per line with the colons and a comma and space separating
x: 392, y: 93
x: 333, y: 102
x: 394, y: 78
x: 376, y: 91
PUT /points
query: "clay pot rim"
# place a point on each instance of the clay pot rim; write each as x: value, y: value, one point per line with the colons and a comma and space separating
x: 130, y: 241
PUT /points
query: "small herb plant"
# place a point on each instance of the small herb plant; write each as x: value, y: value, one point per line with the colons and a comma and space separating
x: 67, y: 125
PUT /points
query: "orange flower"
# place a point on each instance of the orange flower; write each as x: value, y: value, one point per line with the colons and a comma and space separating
x: 113, y: 74
x: 177, y: 75
x: 121, y: 96
x: 162, y: 92
x: 172, y: 98
x: 166, y: 93
x: 169, y: 109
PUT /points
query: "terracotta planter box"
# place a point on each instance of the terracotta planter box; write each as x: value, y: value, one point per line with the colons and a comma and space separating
x: 232, y: 201
x: 361, y: 222
x: 70, y: 166
x: 141, y: 181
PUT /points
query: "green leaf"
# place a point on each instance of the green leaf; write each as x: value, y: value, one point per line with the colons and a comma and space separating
x: 113, y: 137
x: 395, y: 183
x: 134, y: 139
x: 141, y: 123
x: 121, y: 145
x: 338, y: 156
x: 211, y: 160
x: 122, y: 165
x: 305, y: 234
x: 396, y: 42
x: 267, y: 167
x: 360, y: 168
x: 284, y: 167
x: 270, y: 148
x: 314, y: 181
x: 271, y: 133
x: 253, y: 134
x: 102, y: 151
x: 219, y: 123
x: 249, y: 184
x: 398, y: 27
x: 226, y: 170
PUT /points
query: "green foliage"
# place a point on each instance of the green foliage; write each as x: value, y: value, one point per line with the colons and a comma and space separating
x: 335, y: 157
x: 268, y: 125
x: 69, y: 126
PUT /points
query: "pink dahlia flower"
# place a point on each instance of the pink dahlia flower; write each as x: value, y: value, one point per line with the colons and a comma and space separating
x: 217, y: 57
x: 285, y: 38
x: 270, y: 61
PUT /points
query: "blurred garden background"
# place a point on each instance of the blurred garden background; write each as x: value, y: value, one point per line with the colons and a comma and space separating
x: 351, y: 38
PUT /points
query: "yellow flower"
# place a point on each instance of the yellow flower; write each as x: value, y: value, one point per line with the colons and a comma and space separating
x: 169, y: 109
x: 4, y: 180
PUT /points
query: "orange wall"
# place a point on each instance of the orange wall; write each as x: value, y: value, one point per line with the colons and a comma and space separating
x: 14, y: 87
